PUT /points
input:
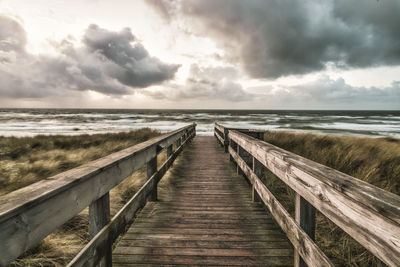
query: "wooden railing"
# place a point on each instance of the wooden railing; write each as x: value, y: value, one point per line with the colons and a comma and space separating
x: 367, y: 213
x: 29, y: 214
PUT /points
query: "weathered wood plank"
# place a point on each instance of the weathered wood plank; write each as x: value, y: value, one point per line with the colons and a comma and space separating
x: 203, y: 260
x: 165, y: 243
x: 367, y: 213
x: 222, y: 238
x: 242, y: 252
x: 310, y: 252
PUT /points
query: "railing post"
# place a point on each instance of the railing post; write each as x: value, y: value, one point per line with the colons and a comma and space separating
x: 238, y: 170
x: 258, y: 170
x: 305, y: 217
x: 169, y: 151
x: 99, y: 216
x: 151, y: 169
x: 178, y: 142
x: 226, y: 139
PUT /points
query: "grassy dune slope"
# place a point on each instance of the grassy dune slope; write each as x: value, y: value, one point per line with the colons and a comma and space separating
x: 24, y: 161
x: 374, y: 160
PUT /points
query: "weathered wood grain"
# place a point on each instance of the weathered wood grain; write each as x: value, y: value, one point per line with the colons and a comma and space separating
x: 99, y: 216
x: 220, y: 139
x: 367, y: 213
x: 305, y: 217
x: 206, y: 218
x: 151, y: 168
x: 31, y: 213
x: 302, y: 243
x: 92, y: 253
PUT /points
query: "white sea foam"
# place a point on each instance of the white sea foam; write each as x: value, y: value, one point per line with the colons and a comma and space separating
x: 51, y: 122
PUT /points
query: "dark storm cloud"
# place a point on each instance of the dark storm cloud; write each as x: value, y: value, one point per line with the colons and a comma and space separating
x: 132, y: 64
x: 206, y: 83
x: 112, y: 63
x: 274, y: 38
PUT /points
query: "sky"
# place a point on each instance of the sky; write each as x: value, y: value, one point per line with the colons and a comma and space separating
x: 200, y: 54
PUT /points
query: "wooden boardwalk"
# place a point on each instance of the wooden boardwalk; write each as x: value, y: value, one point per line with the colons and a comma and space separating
x: 204, y: 214
x: 205, y: 218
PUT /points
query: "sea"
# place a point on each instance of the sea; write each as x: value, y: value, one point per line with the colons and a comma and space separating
x: 32, y: 122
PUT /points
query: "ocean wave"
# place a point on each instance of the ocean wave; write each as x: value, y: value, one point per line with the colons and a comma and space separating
x: 14, y: 122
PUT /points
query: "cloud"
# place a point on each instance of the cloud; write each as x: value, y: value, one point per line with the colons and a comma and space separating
x: 113, y: 63
x: 205, y: 83
x: 328, y: 93
x: 274, y: 38
x: 12, y: 35
x: 131, y: 63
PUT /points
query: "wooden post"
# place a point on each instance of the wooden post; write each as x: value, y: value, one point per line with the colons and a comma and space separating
x: 151, y: 169
x: 238, y: 171
x: 169, y: 151
x: 231, y: 145
x: 178, y: 142
x: 305, y: 217
x: 257, y: 169
x: 226, y: 139
x: 261, y: 136
x: 99, y: 216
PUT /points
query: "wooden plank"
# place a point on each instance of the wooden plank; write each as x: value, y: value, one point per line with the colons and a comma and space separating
x: 29, y: 214
x: 165, y: 243
x: 155, y: 224
x: 90, y: 254
x: 305, y: 246
x: 367, y: 213
x: 202, y: 260
x: 247, y: 221
x: 208, y: 231
x: 237, y: 237
x: 242, y: 252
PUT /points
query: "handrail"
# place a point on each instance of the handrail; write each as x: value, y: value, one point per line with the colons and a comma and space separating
x: 222, y: 133
x: 29, y: 214
x: 367, y: 213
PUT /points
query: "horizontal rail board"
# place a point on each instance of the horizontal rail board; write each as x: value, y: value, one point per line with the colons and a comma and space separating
x: 220, y: 128
x: 29, y: 214
x: 220, y: 139
x: 367, y: 213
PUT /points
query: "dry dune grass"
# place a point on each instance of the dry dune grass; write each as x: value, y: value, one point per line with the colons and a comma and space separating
x: 374, y: 160
x: 24, y: 161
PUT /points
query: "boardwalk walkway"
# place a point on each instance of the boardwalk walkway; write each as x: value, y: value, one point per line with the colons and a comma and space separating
x: 206, y: 218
